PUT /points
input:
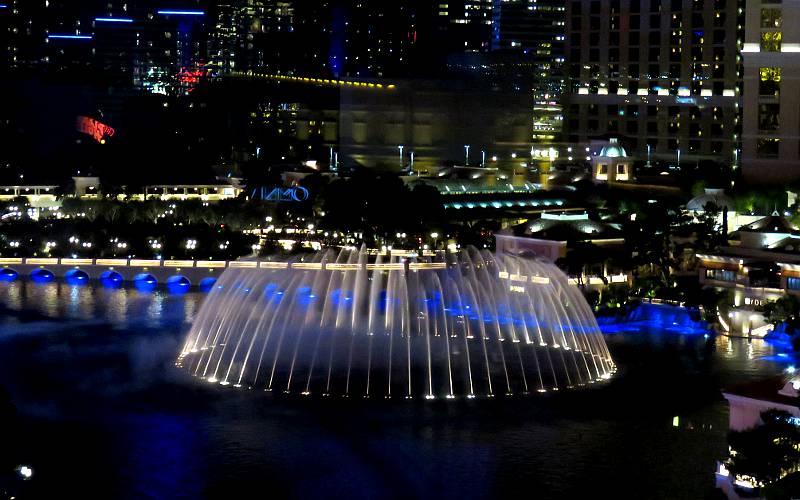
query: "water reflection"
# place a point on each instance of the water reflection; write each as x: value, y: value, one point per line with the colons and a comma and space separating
x: 95, y: 389
x: 117, y: 306
x: 751, y: 356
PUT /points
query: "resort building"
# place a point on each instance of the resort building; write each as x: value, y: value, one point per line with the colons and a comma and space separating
x: 771, y: 129
x: 554, y: 234
x: 612, y: 164
x: 665, y: 76
x: 760, y: 264
x: 727, y: 217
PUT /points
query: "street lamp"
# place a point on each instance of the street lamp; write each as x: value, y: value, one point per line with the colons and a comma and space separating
x: 466, y: 155
x: 400, y: 147
x: 434, y: 236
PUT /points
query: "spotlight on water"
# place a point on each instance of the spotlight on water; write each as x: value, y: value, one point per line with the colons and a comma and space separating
x: 348, y: 324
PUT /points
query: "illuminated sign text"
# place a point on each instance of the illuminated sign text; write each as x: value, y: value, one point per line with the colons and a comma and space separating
x: 90, y: 126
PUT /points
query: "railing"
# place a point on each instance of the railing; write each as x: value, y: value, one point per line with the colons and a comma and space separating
x: 47, y: 261
x: 219, y: 264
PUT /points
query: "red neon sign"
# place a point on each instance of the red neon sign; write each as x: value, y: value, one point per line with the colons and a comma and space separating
x: 92, y: 127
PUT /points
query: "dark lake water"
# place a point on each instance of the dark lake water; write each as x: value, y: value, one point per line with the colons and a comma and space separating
x: 103, y: 413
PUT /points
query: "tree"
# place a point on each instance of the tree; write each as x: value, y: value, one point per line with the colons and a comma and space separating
x: 72, y: 206
x: 785, y: 310
x: 767, y: 452
x: 786, y: 488
x: 111, y: 211
x: 656, y: 253
x: 582, y: 258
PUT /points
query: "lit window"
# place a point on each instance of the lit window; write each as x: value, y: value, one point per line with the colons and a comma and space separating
x: 769, y: 81
x: 771, y: 41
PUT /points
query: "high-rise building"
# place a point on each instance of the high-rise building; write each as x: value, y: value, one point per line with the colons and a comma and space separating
x: 146, y: 44
x: 771, y: 129
x: 247, y: 35
x: 533, y: 33
x: 466, y: 24
x: 664, y: 75
x: 379, y: 37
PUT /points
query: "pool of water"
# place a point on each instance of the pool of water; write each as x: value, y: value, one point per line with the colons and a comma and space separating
x: 103, y: 412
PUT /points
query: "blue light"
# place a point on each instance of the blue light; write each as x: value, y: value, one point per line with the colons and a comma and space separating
x: 181, y: 12
x: 178, y: 284
x: 70, y: 37
x: 145, y: 282
x: 112, y: 20
x: 8, y: 275
x: 111, y: 279
x: 206, y: 284
x: 76, y: 277
x: 42, y: 276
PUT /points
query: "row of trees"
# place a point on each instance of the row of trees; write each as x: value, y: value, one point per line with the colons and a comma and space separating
x: 235, y: 214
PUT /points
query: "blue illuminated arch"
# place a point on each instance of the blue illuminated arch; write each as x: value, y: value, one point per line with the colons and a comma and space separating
x: 111, y: 279
x: 42, y: 276
x: 76, y: 277
x: 8, y: 274
x: 206, y: 284
x: 145, y: 282
x: 178, y: 284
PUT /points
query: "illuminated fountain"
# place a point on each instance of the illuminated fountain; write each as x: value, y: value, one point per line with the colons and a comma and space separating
x: 347, y: 323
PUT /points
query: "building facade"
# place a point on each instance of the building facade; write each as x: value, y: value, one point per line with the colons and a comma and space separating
x: 664, y: 75
x: 771, y: 129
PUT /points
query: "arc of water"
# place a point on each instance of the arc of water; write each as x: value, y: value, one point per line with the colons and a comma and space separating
x: 233, y: 327
x: 486, y: 290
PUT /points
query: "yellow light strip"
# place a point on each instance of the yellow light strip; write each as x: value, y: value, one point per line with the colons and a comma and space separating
x: 38, y: 262
x: 320, y: 81
x: 273, y: 265
x: 419, y: 266
x: 386, y: 267
x: 307, y: 265
x: 76, y: 262
x: 250, y: 264
x: 342, y: 267
x: 111, y: 262
x: 145, y: 263
x: 211, y: 263
x: 178, y: 263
